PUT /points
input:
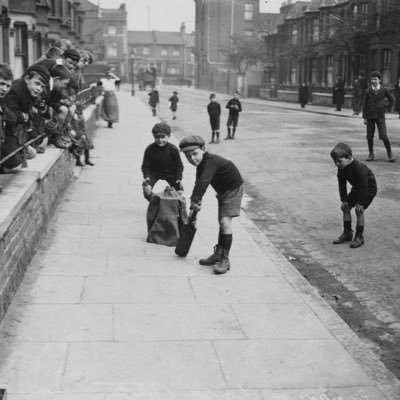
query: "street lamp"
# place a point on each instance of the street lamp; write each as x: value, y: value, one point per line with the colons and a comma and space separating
x: 132, y: 60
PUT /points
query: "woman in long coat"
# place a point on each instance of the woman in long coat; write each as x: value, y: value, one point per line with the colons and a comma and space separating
x: 338, y: 93
x: 396, y: 93
x: 303, y: 94
x: 110, y: 112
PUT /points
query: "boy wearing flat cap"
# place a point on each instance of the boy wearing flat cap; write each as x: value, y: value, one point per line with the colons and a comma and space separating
x: 226, y: 180
x: 377, y: 100
x: 161, y: 160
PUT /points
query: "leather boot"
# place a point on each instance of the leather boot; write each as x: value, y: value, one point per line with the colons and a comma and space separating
x: 370, y: 157
x: 346, y: 236
x: 211, y: 260
x: 229, y: 134
x: 233, y: 133
x: 87, y: 159
x: 223, y: 265
x: 358, y: 241
x: 391, y: 157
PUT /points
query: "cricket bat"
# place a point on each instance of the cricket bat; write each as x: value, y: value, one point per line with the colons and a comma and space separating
x: 186, y: 236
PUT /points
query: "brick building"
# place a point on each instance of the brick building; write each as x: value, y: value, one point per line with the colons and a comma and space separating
x: 216, y: 23
x: 170, y: 53
x: 318, y: 39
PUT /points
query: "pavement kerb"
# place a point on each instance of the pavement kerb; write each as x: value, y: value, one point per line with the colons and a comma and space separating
x: 361, y: 351
x: 310, y: 108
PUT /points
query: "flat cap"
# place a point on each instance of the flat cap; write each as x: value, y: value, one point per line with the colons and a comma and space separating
x: 376, y: 74
x: 161, y: 128
x: 191, y: 142
x: 72, y: 54
x: 43, y: 72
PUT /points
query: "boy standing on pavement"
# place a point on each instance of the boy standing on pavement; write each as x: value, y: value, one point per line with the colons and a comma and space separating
x: 374, y: 109
x: 226, y: 180
x: 362, y: 192
x: 173, y: 103
x: 235, y: 107
x: 214, y: 112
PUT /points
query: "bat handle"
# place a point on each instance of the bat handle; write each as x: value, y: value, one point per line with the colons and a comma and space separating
x: 192, y: 217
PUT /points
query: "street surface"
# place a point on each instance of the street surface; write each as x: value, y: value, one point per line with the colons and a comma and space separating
x: 103, y: 315
x: 293, y: 198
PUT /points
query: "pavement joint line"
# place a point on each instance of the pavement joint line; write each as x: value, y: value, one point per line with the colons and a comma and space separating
x: 219, y: 363
x: 237, y: 320
x: 192, y: 289
x: 64, y: 369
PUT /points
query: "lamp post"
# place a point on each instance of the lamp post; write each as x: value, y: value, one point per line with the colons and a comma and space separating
x: 132, y: 59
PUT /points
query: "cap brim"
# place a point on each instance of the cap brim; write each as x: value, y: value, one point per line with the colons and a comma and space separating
x: 189, y: 148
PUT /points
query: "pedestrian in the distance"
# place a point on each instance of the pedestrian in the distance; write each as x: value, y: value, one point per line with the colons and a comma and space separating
x: 110, y: 112
x: 358, y: 93
x: 396, y: 93
x: 154, y: 101
x: 304, y: 92
x: 161, y: 160
x: 363, y: 190
x: 226, y: 180
x: 235, y: 107
x: 214, y: 112
x: 173, y: 104
x: 338, y: 93
x: 377, y: 100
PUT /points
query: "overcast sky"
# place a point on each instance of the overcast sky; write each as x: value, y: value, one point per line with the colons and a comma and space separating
x: 165, y: 15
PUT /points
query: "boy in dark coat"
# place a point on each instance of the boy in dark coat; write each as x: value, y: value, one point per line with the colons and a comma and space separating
x: 303, y: 94
x: 6, y: 78
x: 362, y: 192
x: 161, y: 160
x: 226, y: 180
x: 154, y: 100
x: 396, y: 92
x: 359, y: 89
x: 235, y: 107
x: 338, y: 93
x: 173, y: 104
x: 214, y: 112
x: 374, y: 109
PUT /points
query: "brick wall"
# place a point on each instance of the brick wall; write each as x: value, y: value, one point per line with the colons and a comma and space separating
x: 26, y: 206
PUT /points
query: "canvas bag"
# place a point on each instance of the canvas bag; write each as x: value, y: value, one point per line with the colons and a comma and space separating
x: 166, y: 214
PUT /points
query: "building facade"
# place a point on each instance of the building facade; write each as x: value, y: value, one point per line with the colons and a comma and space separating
x: 170, y: 53
x: 320, y: 39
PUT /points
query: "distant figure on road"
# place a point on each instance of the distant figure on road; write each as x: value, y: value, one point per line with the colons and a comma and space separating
x: 214, y: 112
x: 377, y: 100
x: 363, y: 190
x: 304, y: 92
x: 173, y: 104
x: 154, y: 101
x: 226, y: 180
x: 235, y: 107
x: 360, y: 86
x: 161, y: 160
x: 110, y: 112
x: 338, y: 93
x: 396, y: 93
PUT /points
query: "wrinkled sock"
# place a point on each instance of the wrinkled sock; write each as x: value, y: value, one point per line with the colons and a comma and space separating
x: 359, y: 230
x: 347, y: 225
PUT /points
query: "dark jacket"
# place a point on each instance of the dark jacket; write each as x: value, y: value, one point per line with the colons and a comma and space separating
x: 162, y: 162
x: 396, y: 92
x: 361, y: 179
x: 214, y: 109
x: 174, y: 99
x: 231, y: 106
x: 221, y: 173
x: 376, y: 104
x: 303, y: 94
x: 154, y: 98
x: 358, y: 91
x: 338, y: 92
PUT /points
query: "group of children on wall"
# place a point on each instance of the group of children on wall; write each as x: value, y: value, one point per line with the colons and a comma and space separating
x: 41, y: 105
x: 162, y: 161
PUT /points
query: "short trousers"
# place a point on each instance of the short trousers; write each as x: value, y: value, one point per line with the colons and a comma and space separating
x: 232, y: 120
x: 214, y: 122
x: 229, y: 203
x: 381, y: 125
x: 352, y: 199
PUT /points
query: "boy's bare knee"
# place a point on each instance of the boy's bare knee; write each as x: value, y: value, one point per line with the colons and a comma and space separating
x: 225, y: 224
x: 359, y: 212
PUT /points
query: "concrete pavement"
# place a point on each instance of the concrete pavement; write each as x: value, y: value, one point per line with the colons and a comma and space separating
x: 103, y: 315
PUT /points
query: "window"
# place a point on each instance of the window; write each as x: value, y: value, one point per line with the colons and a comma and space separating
x: 355, y: 11
x: 294, y: 34
x: 112, y: 30
x: 173, y: 69
x: 315, y: 35
x: 293, y: 75
x: 329, y: 70
x: 314, y: 70
x: 146, y: 51
x: 176, y: 53
x: 387, y: 58
x: 20, y: 38
x: 164, y: 52
x: 112, y: 50
x: 249, y: 12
